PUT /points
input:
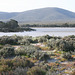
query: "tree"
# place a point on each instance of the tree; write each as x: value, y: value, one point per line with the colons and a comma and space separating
x: 2, y: 24
x: 12, y: 24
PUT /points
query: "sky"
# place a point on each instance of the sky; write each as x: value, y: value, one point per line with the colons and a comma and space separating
x: 24, y: 5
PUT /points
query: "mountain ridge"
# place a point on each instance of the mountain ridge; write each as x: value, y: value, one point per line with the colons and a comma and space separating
x: 40, y: 15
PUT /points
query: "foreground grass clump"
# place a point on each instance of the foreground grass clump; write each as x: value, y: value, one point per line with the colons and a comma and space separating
x: 67, y: 56
x: 7, y: 52
x: 16, y: 40
x: 36, y: 71
x: 43, y: 55
x: 12, y: 64
x: 31, y: 52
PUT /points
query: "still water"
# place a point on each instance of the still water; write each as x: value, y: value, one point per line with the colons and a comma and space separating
x: 43, y: 31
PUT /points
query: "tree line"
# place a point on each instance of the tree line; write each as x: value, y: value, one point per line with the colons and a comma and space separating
x: 12, y: 26
x: 48, y: 25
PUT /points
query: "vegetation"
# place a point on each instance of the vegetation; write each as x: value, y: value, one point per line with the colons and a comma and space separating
x: 48, y: 25
x: 12, y: 26
x: 36, y: 71
x: 7, y: 52
x: 43, y: 55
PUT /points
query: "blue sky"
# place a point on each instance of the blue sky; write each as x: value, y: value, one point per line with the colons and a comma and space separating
x: 23, y: 5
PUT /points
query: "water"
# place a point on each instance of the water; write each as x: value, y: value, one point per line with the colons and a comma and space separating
x: 43, y: 31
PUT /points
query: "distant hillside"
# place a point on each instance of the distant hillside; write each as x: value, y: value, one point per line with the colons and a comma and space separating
x: 40, y: 15
x: 6, y: 15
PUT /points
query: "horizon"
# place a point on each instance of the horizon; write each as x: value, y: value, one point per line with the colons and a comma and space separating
x: 25, y: 5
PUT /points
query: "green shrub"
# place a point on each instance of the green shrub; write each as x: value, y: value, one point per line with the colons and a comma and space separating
x: 20, y: 71
x: 12, y: 64
x: 67, y: 56
x: 36, y: 71
x: 7, y: 52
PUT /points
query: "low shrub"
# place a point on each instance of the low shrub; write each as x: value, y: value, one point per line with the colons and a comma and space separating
x: 7, y: 52
x: 36, y: 71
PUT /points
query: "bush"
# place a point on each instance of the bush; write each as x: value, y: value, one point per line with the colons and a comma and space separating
x: 64, y: 44
x: 26, y: 40
x: 44, y: 56
x: 7, y: 52
x: 15, y: 64
x: 36, y: 71
x: 67, y: 56
x: 27, y: 50
x: 8, y: 40
x: 20, y: 71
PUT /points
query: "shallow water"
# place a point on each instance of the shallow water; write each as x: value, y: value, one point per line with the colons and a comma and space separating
x: 43, y: 31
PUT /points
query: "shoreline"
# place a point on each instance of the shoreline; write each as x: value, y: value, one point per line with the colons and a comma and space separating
x: 52, y: 27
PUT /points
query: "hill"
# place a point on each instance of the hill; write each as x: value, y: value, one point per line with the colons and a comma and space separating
x: 6, y: 15
x: 40, y: 15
